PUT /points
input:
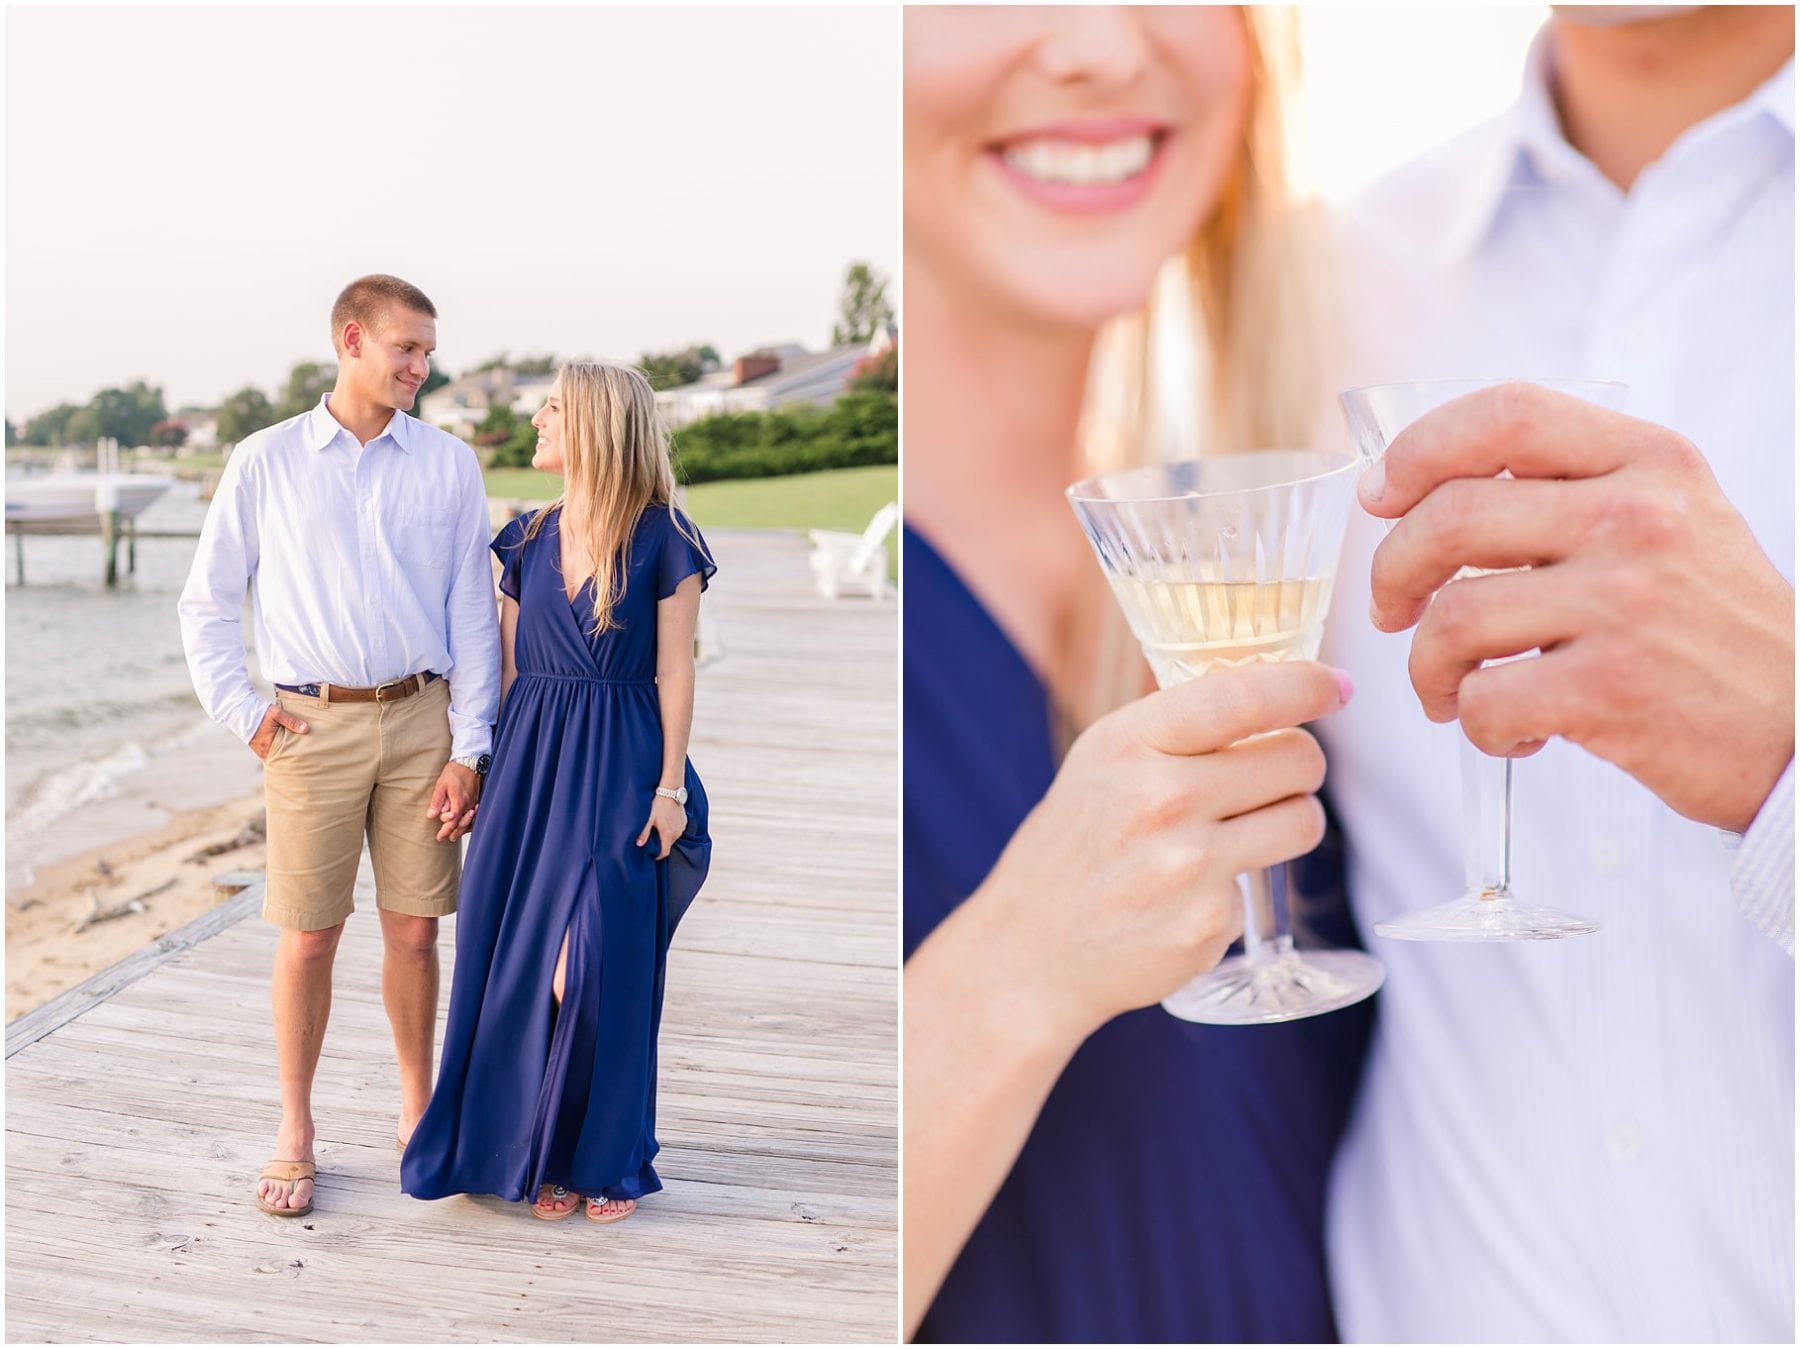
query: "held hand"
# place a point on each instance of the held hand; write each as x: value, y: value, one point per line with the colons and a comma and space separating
x: 1667, y: 634
x: 1120, y: 886
x: 264, y: 739
x: 453, y: 801
x: 668, y: 820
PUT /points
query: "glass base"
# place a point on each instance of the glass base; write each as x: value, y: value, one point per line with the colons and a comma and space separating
x: 1486, y: 917
x: 1251, y: 992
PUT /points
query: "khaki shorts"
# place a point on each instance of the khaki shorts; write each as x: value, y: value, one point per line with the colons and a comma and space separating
x: 362, y: 768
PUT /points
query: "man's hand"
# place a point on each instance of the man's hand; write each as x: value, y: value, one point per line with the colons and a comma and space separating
x: 264, y: 739
x: 453, y: 801
x: 1667, y: 634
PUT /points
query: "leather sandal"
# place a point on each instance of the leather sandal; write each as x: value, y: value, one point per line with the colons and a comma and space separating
x: 551, y: 1215
x: 596, y: 1202
x: 290, y: 1174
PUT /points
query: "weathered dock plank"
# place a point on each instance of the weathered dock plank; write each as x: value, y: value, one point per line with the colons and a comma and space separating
x: 141, y: 1105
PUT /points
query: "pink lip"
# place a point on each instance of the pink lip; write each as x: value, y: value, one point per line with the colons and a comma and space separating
x: 1088, y: 199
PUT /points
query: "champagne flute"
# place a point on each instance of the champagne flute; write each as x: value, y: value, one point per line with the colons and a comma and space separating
x: 1216, y: 563
x: 1488, y: 909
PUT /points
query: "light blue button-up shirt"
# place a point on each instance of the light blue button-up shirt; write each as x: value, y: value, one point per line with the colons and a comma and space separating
x: 1592, y: 1139
x: 367, y: 563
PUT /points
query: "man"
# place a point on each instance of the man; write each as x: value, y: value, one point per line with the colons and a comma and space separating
x: 363, y: 534
x: 1586, y: 1139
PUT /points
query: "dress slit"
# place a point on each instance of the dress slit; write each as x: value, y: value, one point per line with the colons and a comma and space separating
x: 575, y: 1031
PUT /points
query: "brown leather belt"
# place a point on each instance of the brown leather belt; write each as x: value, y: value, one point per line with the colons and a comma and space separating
x: 391, y: 692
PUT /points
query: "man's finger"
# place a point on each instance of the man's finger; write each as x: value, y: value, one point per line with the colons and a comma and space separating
x: 1531, y: 431
x: 1511, y: 709
x: 1223, y: 708
x: 293, y: 723
x: 1483, y: 618
x: 1487, y: 523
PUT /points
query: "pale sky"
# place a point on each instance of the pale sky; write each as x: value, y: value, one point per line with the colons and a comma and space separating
x: 185, y: 197
x: 188, y: 188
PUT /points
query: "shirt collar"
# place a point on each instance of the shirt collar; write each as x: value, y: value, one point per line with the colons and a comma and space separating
x: 322, y: 428
x: 1525, y: 147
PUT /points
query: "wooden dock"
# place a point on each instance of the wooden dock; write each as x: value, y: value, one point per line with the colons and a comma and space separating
x: 141, y: 1105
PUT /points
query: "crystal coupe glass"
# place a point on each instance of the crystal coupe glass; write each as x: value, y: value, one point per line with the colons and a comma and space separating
x: 1221, y: 562
x: 1488, y: 909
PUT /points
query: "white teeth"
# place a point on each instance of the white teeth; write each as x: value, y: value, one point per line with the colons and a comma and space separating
x: 1079, y: 163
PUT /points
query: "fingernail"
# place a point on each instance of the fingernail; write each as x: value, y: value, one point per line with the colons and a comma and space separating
x: 1346, y: 685
x: 1373, y: 485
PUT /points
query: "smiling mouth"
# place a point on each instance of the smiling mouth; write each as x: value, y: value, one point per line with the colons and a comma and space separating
x: 1063, y: 162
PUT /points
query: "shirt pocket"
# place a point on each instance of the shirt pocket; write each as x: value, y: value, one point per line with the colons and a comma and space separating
x: 423, y: 536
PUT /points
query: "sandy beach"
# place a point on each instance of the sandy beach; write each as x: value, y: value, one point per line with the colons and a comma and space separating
x: 76, y: 916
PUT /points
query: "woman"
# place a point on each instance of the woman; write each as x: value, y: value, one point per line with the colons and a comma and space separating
x: 548, y: 1083
x: 1087, y: 190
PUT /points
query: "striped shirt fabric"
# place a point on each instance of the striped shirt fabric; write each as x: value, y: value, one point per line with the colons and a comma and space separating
x: 1589, y: 1139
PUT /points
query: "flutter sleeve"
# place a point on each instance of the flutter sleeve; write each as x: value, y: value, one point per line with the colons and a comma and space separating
x: 684, y: 554
x: 509, y: 547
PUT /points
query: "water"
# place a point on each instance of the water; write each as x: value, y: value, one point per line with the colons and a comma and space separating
x: 104, y: 736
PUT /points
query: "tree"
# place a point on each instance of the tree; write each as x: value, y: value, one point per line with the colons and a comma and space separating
x: 437, y: 379
x: 244, y: 413
x: 879, y: 373
x: 307, y: 383
x: 510, y: 439
x: 12, y: 434
x: 125, y: 415
x: 535, y: 365
x: 671, y: 369
x: 863, y: 308
x: 52, y: 427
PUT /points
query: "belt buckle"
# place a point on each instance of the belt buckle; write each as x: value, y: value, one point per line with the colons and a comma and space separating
x: 391, y: 684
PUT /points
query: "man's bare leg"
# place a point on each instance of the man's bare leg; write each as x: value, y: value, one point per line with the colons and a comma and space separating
x: 409, y: 989
x: 302, y: 1003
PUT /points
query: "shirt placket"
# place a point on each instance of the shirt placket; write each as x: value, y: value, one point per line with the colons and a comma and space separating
x: 368, y: 543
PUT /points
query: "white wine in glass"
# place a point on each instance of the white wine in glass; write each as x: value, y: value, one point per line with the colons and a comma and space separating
x: 1218, y: 563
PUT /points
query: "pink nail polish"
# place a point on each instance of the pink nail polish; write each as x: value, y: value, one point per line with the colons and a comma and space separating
x: 1346, y: 685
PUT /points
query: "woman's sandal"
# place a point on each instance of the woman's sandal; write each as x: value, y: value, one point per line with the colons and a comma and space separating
x: 554, y: 1215
x: 290, y: 1174
x: 598, y: 1202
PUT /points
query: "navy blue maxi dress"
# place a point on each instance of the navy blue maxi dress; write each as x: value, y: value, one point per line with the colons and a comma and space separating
x: 529, y: 1095
x: 1172, y: 1188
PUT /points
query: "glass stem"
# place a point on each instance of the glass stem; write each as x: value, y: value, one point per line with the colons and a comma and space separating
x: 1487, y: 823
x: 1266, y: 928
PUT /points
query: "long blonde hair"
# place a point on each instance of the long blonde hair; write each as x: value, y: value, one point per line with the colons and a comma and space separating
x: 615, y: 467
x: 1226, y: 355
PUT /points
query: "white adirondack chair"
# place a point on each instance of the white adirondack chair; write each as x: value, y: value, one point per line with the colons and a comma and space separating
x: 845, y: 563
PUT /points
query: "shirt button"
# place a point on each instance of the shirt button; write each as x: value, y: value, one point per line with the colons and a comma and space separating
x: 1609, y: 856
x: 1624, y: 1142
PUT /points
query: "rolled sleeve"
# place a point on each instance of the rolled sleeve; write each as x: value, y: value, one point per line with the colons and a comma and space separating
x: 211, y: 607
x: 1762, y: 865
x: 472, y: 626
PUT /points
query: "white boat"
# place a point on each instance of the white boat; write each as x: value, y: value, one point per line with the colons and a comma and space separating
x: 78, y: 499
x: 72, y: 501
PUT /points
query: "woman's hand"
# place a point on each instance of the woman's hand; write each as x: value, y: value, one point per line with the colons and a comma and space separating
x: 668, y: 819
x: 1120, y: 886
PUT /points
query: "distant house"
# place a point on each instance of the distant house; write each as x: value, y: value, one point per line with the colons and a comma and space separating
x: 768, y: 378
x: 202, y: 427
x: 459, y: 406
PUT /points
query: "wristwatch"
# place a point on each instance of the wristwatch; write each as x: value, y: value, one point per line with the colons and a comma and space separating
x: 479, y: 763
x: 676, y: 794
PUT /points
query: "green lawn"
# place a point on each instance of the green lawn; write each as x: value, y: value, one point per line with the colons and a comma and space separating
x: 843, y: 498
